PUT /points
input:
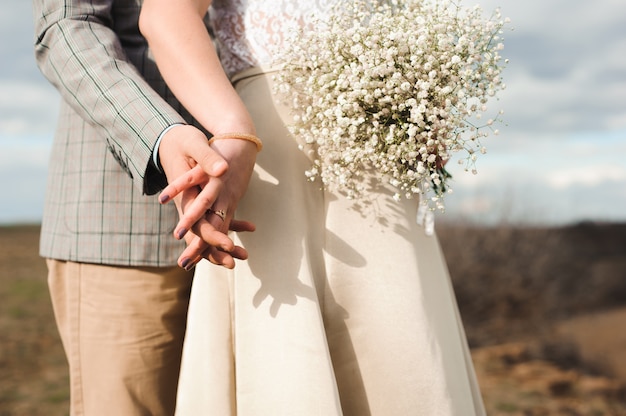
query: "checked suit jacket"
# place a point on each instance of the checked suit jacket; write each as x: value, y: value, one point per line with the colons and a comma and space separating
x: 100, y: 202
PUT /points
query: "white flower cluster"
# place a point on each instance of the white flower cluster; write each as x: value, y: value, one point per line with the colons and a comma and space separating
x: 390, y: 89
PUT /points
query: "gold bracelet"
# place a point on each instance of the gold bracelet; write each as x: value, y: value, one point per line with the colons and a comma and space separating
x: 243, y: 136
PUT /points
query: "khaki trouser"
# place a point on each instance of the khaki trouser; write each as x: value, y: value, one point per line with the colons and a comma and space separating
x: 122, y: 329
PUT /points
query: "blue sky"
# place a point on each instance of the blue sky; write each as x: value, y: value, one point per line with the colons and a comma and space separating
x: 560, y: 156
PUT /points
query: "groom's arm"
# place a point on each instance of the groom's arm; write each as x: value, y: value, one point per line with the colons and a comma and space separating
x: 81, y: 55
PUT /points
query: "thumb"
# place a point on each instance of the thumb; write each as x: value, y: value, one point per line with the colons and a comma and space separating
x: 209, y: 160
x: 185, y: 146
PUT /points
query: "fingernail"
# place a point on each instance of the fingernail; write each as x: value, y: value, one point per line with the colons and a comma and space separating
x: 164, y: 198
x: 189, y: 266
x: 181, y: 233
x: 185, y: 263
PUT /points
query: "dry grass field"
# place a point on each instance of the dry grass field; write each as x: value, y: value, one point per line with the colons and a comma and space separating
x: 33, y: 373
x: 544, y: 311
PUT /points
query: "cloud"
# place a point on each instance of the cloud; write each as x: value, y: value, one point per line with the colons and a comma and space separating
x: 23, y: 169
x: 27, y: 108
x: 26, y: 200
x: 544, y: 180
x: 528, y: 201
x: 16, y: 33
x: 567, y: 21
x: 22, y: 153
x: 565, y: 72
x: 558, y: 158
x: 28, y: 103
x: 587, y: 176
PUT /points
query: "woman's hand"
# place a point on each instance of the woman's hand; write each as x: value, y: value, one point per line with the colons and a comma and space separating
x: 208, y: 205
x: 188, y: 62
x: 197, y: 248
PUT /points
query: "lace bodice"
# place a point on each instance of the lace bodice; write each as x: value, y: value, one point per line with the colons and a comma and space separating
x: 249, y: 30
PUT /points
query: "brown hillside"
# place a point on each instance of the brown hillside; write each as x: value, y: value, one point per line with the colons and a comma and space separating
x: 511, y: 281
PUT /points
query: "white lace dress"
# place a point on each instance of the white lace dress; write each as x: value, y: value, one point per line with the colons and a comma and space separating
x: 339, y: 310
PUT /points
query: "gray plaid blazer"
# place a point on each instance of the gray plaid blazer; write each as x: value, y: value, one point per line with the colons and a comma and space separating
x: 100, y: 204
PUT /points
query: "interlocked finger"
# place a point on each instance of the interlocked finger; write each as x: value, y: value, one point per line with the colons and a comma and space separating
x: 220, y: 213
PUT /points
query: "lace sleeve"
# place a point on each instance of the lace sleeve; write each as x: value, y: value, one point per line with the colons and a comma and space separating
x: 249, y: 30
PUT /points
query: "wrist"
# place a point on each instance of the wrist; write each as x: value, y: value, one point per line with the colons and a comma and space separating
x: 239, y: 136
x: 155, y: 150
x: 236, y: 122
x: 176, y: 144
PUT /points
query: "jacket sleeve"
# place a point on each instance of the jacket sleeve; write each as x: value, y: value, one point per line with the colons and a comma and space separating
x: 80, y: 53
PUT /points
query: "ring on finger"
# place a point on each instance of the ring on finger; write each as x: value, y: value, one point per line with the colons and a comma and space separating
x: 220, y: 213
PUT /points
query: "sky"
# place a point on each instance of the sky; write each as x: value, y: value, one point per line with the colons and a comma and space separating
x: 560, y: 157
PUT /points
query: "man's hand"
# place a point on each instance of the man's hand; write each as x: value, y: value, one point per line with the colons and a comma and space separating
x: 193, y: 170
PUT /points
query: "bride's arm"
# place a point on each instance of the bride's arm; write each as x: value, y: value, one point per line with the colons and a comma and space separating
x: 188, y: 62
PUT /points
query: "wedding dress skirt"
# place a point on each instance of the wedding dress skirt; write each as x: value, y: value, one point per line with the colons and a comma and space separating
x: 338, y: 311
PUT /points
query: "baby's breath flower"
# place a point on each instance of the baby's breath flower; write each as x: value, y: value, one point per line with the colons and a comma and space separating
x: 393, y: 87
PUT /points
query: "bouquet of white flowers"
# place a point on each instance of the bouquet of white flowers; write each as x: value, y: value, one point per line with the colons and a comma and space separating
x: 385, y: 88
